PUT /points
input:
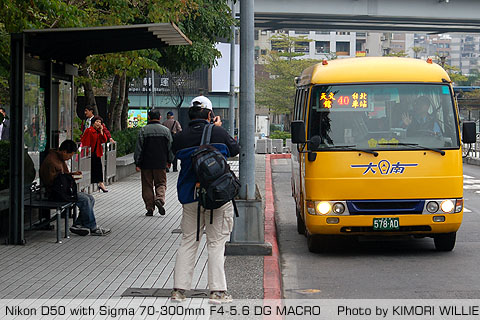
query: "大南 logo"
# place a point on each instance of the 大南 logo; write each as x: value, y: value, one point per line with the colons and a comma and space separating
x: 384, y: 167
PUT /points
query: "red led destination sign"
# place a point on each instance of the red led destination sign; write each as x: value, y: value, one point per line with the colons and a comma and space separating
x: 356, y: 100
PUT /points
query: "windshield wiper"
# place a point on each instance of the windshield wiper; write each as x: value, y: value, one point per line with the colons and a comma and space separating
x: 412, y: 145
x: 354, y: 148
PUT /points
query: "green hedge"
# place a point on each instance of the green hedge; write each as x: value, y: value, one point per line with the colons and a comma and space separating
x: 126, y: 140
x: 280, y: 135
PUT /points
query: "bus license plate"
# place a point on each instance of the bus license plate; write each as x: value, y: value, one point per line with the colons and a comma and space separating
x: 386, y: 224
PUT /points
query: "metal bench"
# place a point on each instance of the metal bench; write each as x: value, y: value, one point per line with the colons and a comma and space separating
x: 35, y: 199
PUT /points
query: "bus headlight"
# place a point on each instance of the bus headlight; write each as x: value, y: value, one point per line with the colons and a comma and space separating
x: 323, y: 207
x: 447, y: 206
x: 432, y: 206
x: 338, y: 208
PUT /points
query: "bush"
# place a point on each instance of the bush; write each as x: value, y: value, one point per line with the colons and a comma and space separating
x: 280, y: 135
x: 77, y: 132
x: 126, y: 140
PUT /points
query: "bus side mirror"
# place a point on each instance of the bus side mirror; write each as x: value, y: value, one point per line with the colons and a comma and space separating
x: 469, y: 133
x: 298, y: 131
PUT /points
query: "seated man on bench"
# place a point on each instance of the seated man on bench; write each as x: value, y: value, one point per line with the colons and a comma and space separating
x: 53, y: 165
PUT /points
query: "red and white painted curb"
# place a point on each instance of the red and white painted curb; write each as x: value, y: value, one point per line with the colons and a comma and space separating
x: 272, y: 277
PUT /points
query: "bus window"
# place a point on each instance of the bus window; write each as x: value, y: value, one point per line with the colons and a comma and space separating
x: 383, y: 116
x: 304, y: 108
x: 296, y: 106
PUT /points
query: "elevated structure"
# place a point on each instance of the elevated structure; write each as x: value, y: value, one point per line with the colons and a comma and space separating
x: 435, y: 16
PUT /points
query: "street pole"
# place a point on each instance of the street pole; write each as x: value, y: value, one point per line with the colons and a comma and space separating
x: 248, y: 234
x: 232, y: 75
x: 247, y: 101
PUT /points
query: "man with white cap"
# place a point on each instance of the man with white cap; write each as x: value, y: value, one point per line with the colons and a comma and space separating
x: 218, y: 232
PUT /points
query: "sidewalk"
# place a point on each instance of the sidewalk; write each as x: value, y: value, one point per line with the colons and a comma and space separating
x: 139, y: 253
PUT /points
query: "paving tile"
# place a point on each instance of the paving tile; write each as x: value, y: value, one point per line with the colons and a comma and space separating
x: 140, y: 251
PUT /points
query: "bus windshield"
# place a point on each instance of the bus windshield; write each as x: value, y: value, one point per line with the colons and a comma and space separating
x: 383, y: 116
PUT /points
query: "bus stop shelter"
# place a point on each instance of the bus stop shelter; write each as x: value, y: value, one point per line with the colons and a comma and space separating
x: 43, y: 66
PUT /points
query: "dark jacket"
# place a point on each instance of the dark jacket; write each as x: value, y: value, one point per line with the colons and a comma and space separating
x: 186, y: 142
x: 6, y: 130
x: 153, y: 149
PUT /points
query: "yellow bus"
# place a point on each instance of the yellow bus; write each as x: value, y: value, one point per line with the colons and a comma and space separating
x: 378, y: 151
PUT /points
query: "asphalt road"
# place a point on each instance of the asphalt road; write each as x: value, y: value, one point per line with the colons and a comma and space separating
x: 401, y: 268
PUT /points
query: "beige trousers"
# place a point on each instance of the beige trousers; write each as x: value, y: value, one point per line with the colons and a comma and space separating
x: 153, y: 179
x: 217, y: 234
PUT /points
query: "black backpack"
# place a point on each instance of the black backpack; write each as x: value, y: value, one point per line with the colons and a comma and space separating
x: 64, y: 188
x: 217, y: 183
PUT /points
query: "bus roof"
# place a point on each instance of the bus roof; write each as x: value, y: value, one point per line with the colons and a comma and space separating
x: 373, y: 69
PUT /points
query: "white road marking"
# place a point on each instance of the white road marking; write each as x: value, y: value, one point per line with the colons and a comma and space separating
x: 471, y: 186
x: 471, y: 181
x: 466, y: 210
x: 468, y: 177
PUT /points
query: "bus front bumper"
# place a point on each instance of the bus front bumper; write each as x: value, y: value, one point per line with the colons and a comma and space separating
x: 364, y: 224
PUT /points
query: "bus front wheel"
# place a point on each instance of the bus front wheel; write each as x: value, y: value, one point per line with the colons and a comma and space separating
x: 300, y: 223
x: 445, y: 241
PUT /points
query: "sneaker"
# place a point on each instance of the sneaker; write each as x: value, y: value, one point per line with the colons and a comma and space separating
x: 178, y: 295
x: 219, y: 297
x: 149, y: 213
x: 81, y: 231
x: 99, y: 231
x: 160, y: 207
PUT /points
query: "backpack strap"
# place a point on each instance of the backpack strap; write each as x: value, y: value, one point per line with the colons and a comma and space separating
x: 235, y: 207
x: 173, y: 126
x: 207, y: 134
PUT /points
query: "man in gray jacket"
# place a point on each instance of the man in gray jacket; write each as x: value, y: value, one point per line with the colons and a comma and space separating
x: 152, y: 156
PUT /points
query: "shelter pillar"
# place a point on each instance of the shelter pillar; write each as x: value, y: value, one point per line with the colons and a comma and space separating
x: 17, y: 53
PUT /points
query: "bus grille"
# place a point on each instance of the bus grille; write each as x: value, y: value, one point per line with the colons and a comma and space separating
x: 385, y: 207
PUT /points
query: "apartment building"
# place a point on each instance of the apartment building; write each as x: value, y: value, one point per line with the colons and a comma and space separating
x: 465, y: 52
x: 325, y: 44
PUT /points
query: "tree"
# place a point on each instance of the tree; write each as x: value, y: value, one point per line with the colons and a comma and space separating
x: 179, y: 85
x: 473, y: 79
x: 287, y: 46
x: 18, y: 15
x: 201, y: 20
x: 277, y: 91
x: 453, y: 72
x: 417, y: 50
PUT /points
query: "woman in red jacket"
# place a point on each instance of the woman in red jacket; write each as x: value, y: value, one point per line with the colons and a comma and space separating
x: 93, y: 137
